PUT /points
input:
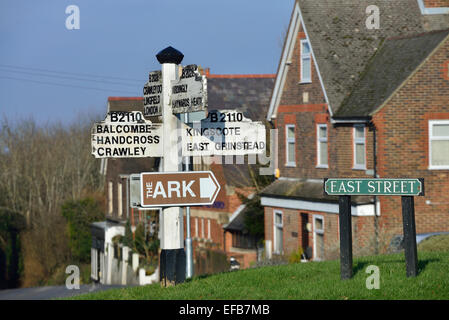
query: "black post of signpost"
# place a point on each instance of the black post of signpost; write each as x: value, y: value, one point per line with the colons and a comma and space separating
x: 344, y: 203
x: 408, y: 222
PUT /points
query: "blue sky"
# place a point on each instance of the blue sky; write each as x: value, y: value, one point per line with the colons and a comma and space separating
x: 114, y: 49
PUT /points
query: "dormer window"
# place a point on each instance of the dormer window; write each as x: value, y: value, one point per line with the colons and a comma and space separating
x: 306, y: 62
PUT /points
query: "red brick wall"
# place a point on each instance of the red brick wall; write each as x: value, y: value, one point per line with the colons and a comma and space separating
x: 115, y: 167
x: 268, y: 223
x: 228, y: 240
x: 436, y: 3
x: 403, y: 145
x: 305, y: 116
x: 293, y: 90
x: 402, y: 150
x: 363, y: 232
x: 340, y: 146
x: 216, y: 234
x: 216, y: 231
x: 291, y: 105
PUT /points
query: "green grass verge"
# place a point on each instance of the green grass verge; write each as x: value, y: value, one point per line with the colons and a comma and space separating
x: 435, y: 243
x: 311, y: 280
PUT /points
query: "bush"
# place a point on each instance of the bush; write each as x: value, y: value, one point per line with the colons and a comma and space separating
x: 79, y: 215
x: 59, y: 276
x: 435, y: 243
x: 11, y: 260
x: 295, y: 257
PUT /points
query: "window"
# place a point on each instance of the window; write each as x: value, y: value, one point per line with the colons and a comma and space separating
x: 196, y: 227
x: 304, y: 231
x: 278, y: 232
x: 110, y: 197
x: 439, y: 144
x: 318, y: 237
x: 243, y: 241
x: 208, y: 228
x: 120, y: 200
x: 306, y: 62
x: 359, y: 147
x: 322, y: 157
x: 94, y: 263
x: 202, y: 228
x: 101, y: 272
x: 290, y: 145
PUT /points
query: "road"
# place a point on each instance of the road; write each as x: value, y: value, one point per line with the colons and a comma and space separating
x: 51, y: 292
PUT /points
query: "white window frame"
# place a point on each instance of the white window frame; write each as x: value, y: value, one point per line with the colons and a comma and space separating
x: 277, y: 225
x: 303, y: 57
x: 202, y: 228
x: 110, y: 197
x: 318, y: 140
x: 355, y: 142
x: 196, y: 227
x: 432, y: 138
x: 315, y: 231
x: 208, y: 228
x: 287, y: 141
x: 102, y: 271
x: 120, y: 199
x: 94, y: 263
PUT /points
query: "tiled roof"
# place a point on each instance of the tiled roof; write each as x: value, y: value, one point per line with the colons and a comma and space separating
x: 390, y: 67
x: 125, y: 103
x: 343, y: 45
x: 248, y: 94
x: 305, y: 190
x: 238, y: 223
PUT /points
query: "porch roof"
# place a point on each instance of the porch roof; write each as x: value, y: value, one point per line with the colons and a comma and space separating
x: 309, y: 190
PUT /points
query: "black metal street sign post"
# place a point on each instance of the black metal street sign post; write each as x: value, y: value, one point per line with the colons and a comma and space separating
x: 408, y: 223
x: 344, y: 203
x: 406, y: 188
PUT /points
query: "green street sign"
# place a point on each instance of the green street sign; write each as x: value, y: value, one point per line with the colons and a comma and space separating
x: 375, y: 187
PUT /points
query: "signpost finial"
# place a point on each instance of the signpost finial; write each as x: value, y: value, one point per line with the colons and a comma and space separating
x: 169, y: 55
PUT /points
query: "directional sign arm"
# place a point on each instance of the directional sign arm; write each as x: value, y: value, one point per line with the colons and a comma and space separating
x: 195, y: 188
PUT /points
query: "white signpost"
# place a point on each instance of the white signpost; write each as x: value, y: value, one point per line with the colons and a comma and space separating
x: 189, y: 93
x: 152, y: 95
x: 126, y: 135
x: 225, y: 132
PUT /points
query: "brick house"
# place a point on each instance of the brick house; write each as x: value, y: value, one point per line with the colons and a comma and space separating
x: 220, y: 226
x: 349, y: 101
x: 116, y: 174
x: 249, y: 94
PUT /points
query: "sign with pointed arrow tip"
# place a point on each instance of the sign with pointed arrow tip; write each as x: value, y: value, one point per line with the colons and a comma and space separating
x: 177, y: 189
x: 223, y: 133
